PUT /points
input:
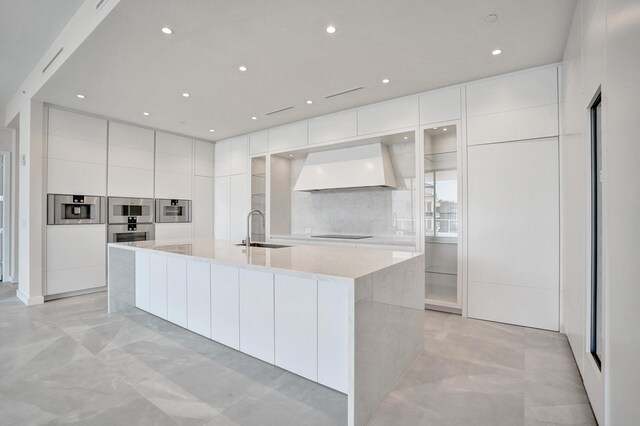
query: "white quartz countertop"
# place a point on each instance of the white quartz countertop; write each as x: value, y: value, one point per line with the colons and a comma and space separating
x: 329, y: 261
x: 408, y: 241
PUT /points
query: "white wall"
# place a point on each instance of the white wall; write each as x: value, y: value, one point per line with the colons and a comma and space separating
x: 8, y: 143
x: 603, y: 51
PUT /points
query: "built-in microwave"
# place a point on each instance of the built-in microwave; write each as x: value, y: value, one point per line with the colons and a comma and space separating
x: 173, y: 211
x: 131, y: 232
x: 130, y: 210
x: 63, y: 209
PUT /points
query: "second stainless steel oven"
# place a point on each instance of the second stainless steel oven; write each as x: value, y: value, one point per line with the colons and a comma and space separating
x: 173, y: 211
x: 131, y: 232
x: 130, y: 210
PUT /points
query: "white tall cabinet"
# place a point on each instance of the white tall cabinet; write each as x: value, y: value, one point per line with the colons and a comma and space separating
x: 76, y: 164
x: 174, y: 179
x: 131, y: 161
x: 513, y: 199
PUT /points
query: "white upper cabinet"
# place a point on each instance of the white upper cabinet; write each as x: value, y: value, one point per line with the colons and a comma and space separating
x: 77, y: 154
x: 202, y: 207
x: 238, y: 155
x: 221, y: 158
x: 334, y: 126
x: 513, y: 107
x: 203, y: 162
x: 174, y: 166
x: 77, y: 126
x: 131, y: 157
x: 383, y: 116
x: 173, y: 153
x: 440, y: 105
x: 289, y: 136
x: 259, y: 142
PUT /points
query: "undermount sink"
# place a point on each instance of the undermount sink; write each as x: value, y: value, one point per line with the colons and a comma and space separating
x: 264, y: 245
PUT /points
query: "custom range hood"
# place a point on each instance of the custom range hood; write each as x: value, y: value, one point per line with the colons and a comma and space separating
x: 363, y: 166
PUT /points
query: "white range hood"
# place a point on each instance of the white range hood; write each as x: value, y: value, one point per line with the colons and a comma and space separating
x: 356, y: 167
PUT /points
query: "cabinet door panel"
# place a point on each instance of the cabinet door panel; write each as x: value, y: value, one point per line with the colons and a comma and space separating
x: 221, y: 207
x: 177, y: 291
x: 199, y: 298
x: 203, y: 207
x: 396, y: 114
x: 256, y: 314
x: 222, y: 158
x: 158, y: 285
x: 440, y: 105
x: 288, y: 136
x: 333, y: 126
x: 333, y: 335
x: 225, y: 305
x: 240, y: 206
x: 296, y: 325
x: 516, y: 246
x: 238, y: 155
x: 173, y: 231
x: 203, y: 162
x: 128, y: 182
x: 173, y: 185
x: 142, y: 280
x: 77, y: 126
x: 259, y: 142
x: 73, y: 177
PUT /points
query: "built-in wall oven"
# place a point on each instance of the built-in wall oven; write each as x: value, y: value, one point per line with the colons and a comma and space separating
x: 130, y: 210
x: 65, y: 209
x: 173, y: 211
x: 130, y: 219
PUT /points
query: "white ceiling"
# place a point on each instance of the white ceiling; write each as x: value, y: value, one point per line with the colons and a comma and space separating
x: 128, y: 66
x: 27, y: 29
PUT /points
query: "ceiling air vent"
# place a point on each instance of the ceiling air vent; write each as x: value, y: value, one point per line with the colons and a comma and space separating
x: 99, y: 4
x: 279, y: 110
x: 344, y: 92
x: 46, y: 67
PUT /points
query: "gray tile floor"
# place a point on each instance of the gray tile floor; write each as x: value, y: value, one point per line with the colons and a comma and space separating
x: 68, y: 361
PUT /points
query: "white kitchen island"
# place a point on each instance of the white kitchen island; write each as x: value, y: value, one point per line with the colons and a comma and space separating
x: 349, y: 319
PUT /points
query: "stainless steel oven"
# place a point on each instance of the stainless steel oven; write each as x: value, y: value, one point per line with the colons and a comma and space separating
x: 173, y: 211
x: 131, y: 232
x: 130, y: 210
x: 63, y: 209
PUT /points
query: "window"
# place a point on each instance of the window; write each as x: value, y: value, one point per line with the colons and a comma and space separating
x: 597, y: 283
x: 441, y: 203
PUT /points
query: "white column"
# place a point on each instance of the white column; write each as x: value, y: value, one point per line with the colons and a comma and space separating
x: 31, y: 199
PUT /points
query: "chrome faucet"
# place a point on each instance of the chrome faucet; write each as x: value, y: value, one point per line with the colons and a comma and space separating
x: 248, y: 240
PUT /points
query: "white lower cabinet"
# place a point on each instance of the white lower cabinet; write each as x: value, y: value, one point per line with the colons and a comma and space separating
x: 199, y: 297
x: 173, y: 231
x: 177, y: 291
x: 296, y: 325
x: 142, y: 280
x: 76, y: 256
x: 333, y: 335
x: 158, y: 285
x: 225, y: 306
x: 256, y: 314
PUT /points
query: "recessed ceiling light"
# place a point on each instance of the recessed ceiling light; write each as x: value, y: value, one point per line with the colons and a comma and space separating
x: 167, y: 30
x: 212, y: 130
x: 435, y: 128
x: 254, y: 118
x: 145, y: 113
x: 491, y: 18
x: 496, y: 52
x: 331, y: 29
x: 309, y: 102
x: 290, y: 155
x: 444, y: 130
x: 80, y: 96
x: 406, y: 137
x: 242, y: 68
x: 185, y: 94
x: 385, y: 81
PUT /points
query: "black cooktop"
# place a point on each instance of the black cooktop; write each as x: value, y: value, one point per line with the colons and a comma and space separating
x: 345, y: 237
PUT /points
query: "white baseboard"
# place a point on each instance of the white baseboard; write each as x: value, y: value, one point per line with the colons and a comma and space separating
x: 29, y: 301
